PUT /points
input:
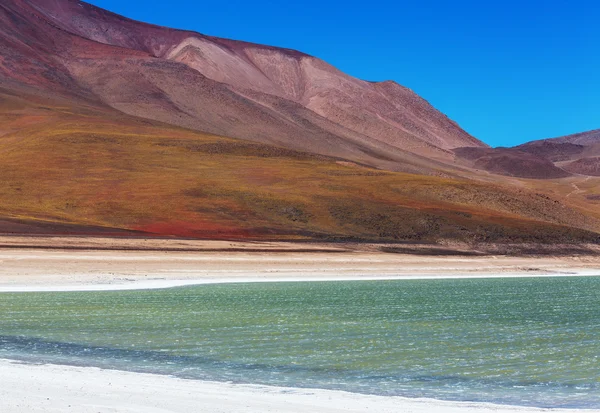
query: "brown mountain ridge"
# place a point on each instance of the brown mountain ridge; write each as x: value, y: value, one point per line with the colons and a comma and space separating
x: 543, y: 159
x: 115, y: 126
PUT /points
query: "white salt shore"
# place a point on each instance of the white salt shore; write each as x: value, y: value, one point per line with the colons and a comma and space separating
x: 141, y: 284
x: 27, y: 388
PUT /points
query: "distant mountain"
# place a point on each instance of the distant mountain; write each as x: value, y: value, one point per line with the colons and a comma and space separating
x: 577, y: 154
x: 542, y: 159
x: 116, y: 127
x: 511, y: 162
x: 589, y: 138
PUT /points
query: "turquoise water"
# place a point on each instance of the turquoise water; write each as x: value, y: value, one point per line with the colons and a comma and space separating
x: 523, y: 341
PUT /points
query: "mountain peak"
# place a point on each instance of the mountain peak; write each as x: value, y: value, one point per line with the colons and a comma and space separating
x: 240, y: 89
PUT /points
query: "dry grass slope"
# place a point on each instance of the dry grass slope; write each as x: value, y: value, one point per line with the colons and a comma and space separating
x: 111, y: 172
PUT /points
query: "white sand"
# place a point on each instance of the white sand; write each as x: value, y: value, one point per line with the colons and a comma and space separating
x: 56, y: 389
x: 140, y: 284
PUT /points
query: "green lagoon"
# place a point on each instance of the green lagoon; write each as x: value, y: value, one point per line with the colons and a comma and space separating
x: 522, y: 341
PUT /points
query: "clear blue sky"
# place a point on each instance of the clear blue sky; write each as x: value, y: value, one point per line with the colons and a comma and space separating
x: 507, y: 71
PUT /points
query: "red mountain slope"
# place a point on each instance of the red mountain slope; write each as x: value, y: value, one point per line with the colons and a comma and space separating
x: 227, y: 87
x: 91, y: 109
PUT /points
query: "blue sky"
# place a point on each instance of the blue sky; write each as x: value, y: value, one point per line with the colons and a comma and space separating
x: 507, y: 71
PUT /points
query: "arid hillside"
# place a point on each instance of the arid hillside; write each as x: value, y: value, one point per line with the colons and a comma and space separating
x: 578, y: 154
x: 543, y: 159
x: 115, y: 127
x: 71, y: 170
x: 225, y: 87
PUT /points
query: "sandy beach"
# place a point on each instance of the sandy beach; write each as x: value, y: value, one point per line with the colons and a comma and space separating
x: 52, y: 388
x: 27, y: 264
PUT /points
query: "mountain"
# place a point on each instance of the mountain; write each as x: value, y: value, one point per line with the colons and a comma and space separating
x: 111, y: 126
x: 577, y: 154
x: 226, y: 87
x: 590, y: 138
x: 511, y: 162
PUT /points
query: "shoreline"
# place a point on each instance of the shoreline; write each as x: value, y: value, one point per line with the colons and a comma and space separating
x: 60, y: 388
x: 90, y: 269
x: 134, y: 285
